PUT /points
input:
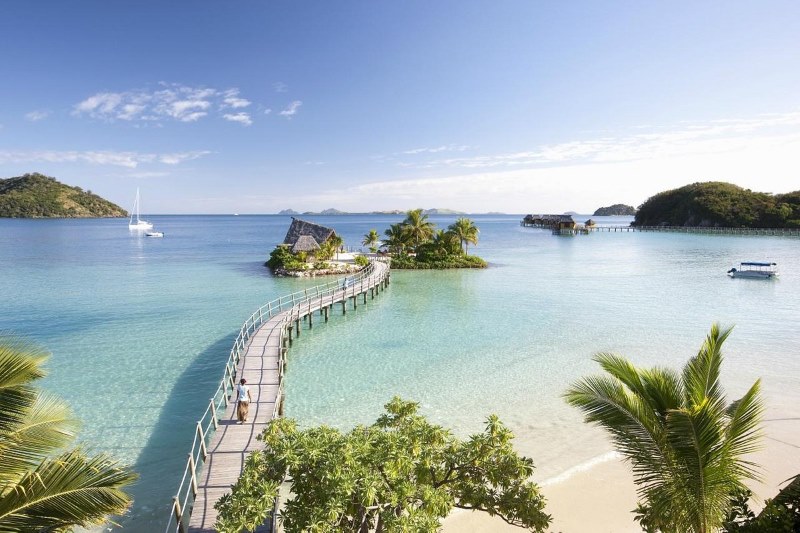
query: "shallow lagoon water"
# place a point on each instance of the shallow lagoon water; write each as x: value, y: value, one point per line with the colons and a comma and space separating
x: 139, y: 329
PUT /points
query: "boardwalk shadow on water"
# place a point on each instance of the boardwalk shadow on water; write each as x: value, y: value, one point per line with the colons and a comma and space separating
x: 161, y: 462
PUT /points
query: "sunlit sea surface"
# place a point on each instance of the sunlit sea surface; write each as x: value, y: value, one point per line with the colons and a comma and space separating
x: 139, y: 329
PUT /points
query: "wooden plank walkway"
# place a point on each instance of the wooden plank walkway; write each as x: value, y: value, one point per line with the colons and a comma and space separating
x: 261, y: 366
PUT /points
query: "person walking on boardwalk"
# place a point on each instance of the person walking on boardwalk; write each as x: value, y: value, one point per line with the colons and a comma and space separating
x: 243, y: 398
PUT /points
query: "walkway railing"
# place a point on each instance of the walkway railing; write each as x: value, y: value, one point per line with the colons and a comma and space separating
x: 292, y: 306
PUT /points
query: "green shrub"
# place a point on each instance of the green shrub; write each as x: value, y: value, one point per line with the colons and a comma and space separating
x: 361, y: 260
x: 282, y: 257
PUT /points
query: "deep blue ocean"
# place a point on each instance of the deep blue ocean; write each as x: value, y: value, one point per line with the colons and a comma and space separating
x: 139, y: 328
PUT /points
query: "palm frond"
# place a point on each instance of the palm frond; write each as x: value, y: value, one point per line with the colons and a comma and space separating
x: 47, y: 427
x: 701, y: 373
x: 70, y: 489
x: 744, y: 431
x: 20, y: 364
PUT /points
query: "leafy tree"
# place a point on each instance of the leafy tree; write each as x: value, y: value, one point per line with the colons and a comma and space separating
x: 282, y: 257
x: 43, y: 488
x: 371, y: 239
x: 466, y: 232
x: 686, y: 445
x: 418, y: 227
x: 779, y: 515
x: 400, y: 474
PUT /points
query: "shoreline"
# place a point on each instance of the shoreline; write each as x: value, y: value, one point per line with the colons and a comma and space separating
x: 599, y: 495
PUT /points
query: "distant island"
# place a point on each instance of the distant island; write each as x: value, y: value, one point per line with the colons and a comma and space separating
x: 720, y: 204
x: 332, y: 212
x: 616, y: 210
x: 38, y: 196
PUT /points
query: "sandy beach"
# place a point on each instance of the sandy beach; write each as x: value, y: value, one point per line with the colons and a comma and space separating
x: 600, y: 499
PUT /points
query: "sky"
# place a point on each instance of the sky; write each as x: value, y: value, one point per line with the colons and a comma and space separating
x: 512, y: 106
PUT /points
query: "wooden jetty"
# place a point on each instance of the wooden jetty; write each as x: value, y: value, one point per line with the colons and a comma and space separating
x: 221, y: 444
x: 565, y: 225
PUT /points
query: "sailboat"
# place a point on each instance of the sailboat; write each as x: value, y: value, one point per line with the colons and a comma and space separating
x: 139, y: 224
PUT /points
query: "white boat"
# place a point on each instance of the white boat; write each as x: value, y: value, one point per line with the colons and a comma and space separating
x: 754, y: 270
x: 155, y: 233
x: 139, y: 224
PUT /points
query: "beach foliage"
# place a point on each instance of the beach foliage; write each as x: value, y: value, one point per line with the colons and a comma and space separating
x: 401, y: 473
x: 416, y: 243
x: 779, y: 515
x: 688, y: 447
x: 720, y: 204
x: 44, y: 487
x: 282, y: 257
x: 361, y: 260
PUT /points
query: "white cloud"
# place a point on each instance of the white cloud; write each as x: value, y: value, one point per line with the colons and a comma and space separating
x: 267, y: 111
x: 171, y: 101
x: 233, y: 100
x: 761, y: 154
x: 242, y: 118
x: 98, y: 157
x: 292, y: 109
x: 37, y: 115
x: 437, y: 149
x: 280, y: 87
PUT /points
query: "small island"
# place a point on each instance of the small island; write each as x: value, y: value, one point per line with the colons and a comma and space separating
x: 415, y: 243
x: 720, y: 204
x: 616, y: 210
x: 38, y: 196
x: 309, y: 250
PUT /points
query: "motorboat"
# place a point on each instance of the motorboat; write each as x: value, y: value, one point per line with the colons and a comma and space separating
x: 754, y: 270
x: 155, y: 233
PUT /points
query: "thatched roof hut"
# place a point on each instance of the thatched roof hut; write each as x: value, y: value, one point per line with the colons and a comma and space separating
x: 301, y: 228
x: 305, y: 243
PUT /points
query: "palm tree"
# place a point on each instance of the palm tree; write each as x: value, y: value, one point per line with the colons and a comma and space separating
x: 337, y: 243
x: 466, y: 231
x: 418, y: 227
x: 397, y: 238
x: 371, y: 239
x: 446, y: 243
x: 41, y: 487
x: 686, y: 445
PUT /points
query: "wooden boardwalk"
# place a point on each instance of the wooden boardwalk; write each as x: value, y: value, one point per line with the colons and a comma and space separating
x: 262, y: 364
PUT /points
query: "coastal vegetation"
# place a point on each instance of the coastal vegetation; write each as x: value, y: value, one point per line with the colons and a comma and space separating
x: 688, y: 447
x: 616, y: 210
x: 39, y: 196
x: 720, y: 204
x: 42, y: 486
x: 401, y: 473
x: 415, y: 243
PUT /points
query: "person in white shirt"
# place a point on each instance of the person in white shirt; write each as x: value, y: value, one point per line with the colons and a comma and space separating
x: 243, y: 398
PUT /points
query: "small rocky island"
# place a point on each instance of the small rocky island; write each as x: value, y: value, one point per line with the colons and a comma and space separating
x: 38, y: 196
x: 312, y: 250
x: 616, y: 210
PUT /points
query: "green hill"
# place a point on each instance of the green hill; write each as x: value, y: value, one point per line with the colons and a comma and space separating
x: 720, y: 204
x: 615, y: 210
x: 39, y: 196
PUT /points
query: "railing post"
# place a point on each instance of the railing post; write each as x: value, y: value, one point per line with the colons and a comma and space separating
x: 214, y: 414
x: 192, y: 468
x: 200, y: 436
x: 176, y: 504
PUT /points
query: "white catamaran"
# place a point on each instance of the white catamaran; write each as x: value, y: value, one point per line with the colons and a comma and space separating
x: 139, y: 224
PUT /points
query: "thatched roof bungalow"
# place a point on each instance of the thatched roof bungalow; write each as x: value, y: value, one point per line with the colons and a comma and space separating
x: 305, y: 243
x: 304, y: 236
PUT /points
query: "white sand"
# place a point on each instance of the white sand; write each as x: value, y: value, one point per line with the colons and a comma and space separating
x: 600, y: 499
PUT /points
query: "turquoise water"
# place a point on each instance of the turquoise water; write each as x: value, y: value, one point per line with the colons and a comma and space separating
x: 140, y: 328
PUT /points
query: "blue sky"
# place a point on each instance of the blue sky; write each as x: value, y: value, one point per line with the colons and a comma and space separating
x: 514, y: 106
